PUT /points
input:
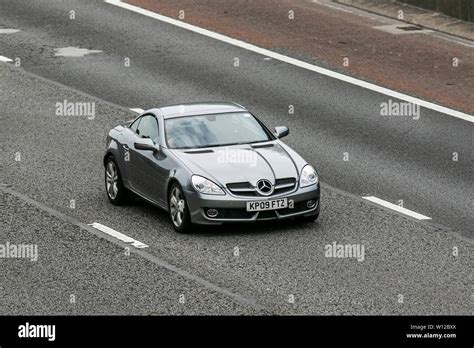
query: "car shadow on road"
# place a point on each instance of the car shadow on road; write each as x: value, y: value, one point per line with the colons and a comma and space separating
x: 259, y: 227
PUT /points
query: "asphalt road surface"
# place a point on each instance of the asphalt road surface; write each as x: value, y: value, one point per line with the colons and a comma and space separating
x: 409, y: 266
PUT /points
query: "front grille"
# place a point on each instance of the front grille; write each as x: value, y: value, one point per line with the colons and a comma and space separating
x: 242, y: 189
x: 284, y: 181
x: 239, y: 185
x: 284, y: 185
x: 247, y: 190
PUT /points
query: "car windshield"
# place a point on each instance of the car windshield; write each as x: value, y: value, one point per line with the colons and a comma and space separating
x: 189, y: 132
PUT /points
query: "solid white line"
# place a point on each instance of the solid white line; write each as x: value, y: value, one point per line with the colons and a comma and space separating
x: 293, y: 61
x: 137, y: 110
x: 451, y: 40
x: 332, y: 6
x: 118, y: 235
x: 396, y: 208
x: 5, y: 59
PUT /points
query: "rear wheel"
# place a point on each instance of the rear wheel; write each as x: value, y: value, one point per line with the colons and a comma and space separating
x: 116, y: 192
x: 178, y: 209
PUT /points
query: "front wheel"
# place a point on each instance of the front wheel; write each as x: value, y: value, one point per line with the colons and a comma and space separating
x: 178, y: 209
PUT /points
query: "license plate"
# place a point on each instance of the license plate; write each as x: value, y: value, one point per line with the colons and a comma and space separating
x: 267, y: 205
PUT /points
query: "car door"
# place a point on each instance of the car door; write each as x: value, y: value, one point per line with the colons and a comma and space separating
x: 145, y: 167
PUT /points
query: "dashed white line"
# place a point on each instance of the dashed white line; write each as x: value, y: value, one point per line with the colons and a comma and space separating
x: 120, y: 236
x: 396, y: 208
x: 8, y: 31
x: 137, y: 110
x: 293, y: 61
x: 5, y: 59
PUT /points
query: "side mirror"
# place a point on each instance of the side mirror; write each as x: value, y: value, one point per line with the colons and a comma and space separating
x: 281, y: 131
x: 146, y: 144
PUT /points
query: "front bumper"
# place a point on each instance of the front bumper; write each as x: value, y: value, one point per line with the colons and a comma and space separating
x: 233, y: 208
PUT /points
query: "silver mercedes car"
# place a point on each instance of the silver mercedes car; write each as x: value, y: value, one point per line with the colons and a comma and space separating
x: 209, y: 163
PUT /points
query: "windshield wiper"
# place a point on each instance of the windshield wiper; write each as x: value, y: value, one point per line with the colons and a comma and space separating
x: 225, y: 144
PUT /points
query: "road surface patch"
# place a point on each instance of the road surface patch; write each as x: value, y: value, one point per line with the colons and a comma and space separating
x: 398, y: 29
x: 244, y: 300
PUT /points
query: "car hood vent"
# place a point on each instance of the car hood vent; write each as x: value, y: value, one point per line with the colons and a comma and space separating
x: 261, y: 146
x: 199, y: 151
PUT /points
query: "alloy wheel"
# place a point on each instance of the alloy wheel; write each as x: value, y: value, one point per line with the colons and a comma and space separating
x: 177, y: 206
x: 111, y: 180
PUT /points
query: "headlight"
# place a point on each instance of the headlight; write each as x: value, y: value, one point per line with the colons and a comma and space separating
x: 206, y: 186
x: 309, y: 176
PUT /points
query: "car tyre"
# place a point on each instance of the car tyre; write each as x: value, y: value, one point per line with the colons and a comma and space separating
x: 178, y: 209
x: 116, y: 192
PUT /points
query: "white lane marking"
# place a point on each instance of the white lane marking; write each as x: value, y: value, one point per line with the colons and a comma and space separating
x: 5, y: 59
x: 451, y: 40
x: 332, y: 6
x: 293, y: 61
x: 137, y: 110
x: 118, y: 235
x: 396, y: 208
x: 8, y: 31
x: 73, y: 52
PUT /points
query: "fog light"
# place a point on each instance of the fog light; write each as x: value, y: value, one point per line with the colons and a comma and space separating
x: 212, y: 213
x: 311, y: 203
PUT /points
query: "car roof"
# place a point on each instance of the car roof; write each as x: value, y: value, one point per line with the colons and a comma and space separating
x: 201, y: 108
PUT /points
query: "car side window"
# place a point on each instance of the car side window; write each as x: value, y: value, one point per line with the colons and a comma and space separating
x: 148, y: 128
x: 134, y: 125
